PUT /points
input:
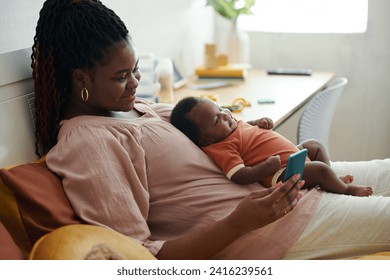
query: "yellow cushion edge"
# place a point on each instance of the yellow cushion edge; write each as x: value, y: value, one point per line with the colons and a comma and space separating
x: 376, y: 256
x: 74, y: 242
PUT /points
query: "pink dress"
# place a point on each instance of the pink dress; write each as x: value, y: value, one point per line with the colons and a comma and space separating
x: 145, y: 179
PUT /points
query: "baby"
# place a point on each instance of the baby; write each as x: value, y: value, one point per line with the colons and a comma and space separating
x: 252, y: 152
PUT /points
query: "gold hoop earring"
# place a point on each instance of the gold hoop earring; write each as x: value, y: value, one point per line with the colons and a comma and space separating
x: 84, y: 94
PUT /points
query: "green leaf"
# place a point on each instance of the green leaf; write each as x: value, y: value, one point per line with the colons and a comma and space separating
x: 227, y: 9
x: 247, y: 8
x: 224, y: 7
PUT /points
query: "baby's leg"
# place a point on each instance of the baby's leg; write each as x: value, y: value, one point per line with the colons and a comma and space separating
x: 318, y: 173
x: 315, y: 151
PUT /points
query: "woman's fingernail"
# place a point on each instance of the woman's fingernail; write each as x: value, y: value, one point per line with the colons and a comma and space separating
x: 296, y: 177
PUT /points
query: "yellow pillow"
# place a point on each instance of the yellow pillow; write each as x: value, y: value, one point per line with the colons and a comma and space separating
x: 79, y: 242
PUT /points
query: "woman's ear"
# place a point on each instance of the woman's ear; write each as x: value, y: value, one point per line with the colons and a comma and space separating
x: 80, y: 78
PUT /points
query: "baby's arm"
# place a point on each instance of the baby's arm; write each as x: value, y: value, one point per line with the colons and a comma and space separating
x: 265, y: 123
x: 253, y: 174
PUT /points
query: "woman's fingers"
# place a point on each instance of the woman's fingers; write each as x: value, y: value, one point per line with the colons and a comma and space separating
x: 286, y: 187
x: 288, y: 202
x: 286, y: 195
x: 282, y: 198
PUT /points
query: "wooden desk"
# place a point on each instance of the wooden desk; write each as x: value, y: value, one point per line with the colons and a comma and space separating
x: 289, y: 92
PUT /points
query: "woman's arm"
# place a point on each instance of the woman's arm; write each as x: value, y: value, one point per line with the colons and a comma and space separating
x: 257, y: 210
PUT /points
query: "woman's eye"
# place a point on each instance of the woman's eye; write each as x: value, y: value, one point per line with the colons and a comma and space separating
x: 136, y: 69
x: 122, y: 79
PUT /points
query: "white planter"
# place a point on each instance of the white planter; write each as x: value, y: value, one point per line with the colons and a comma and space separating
x: 235, y: 43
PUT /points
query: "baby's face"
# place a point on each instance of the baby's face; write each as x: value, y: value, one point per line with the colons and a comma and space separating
x: 214, y: 123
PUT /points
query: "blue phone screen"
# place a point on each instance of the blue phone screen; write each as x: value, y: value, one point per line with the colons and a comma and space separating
x: 296, y: 164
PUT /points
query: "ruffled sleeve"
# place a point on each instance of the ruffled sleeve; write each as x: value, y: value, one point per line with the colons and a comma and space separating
x: 104, y: 177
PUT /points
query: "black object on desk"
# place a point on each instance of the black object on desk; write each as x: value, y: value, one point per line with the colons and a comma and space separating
x: 290, y: 71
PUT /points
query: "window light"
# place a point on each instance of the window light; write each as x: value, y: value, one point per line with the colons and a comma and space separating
x: 307, y: 16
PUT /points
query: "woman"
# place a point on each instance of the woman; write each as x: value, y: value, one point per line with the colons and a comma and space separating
x: 125, y: 167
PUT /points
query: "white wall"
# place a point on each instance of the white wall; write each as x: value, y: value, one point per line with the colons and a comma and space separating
x: 18, y: 20
x: 173, y: 28
x: 361, y: 129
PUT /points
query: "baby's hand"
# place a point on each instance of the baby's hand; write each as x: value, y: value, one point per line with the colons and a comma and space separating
x: 265, y: 123
x: 273, y: 163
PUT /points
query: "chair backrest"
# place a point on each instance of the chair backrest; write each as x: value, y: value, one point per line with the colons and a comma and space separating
x: 317, y: 116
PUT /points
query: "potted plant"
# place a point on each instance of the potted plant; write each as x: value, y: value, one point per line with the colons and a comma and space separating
x: 235, y: 42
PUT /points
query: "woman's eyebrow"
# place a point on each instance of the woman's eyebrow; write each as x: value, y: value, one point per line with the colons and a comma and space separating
x: 127, y: 69
x: 122, y: 71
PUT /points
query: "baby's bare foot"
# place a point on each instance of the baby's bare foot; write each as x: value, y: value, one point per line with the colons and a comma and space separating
x: 347, y: 179
x: 359, y: 191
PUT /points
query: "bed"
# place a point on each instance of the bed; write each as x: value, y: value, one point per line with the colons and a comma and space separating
x: 37, y: 221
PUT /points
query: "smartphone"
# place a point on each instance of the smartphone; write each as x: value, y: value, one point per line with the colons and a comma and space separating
x: 295, y: 164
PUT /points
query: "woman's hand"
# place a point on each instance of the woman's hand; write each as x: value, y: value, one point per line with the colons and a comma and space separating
x: 265, y: 206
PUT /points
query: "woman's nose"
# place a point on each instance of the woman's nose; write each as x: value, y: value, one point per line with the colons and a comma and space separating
x: 132, y: 83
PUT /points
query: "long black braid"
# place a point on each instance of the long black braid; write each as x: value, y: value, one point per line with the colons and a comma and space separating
x: 69, y: 35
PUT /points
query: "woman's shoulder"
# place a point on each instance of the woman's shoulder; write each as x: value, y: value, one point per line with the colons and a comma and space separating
x: 160, y: 110
x: 84, y: 128
x: 94, y: 134
x: 117, y: 119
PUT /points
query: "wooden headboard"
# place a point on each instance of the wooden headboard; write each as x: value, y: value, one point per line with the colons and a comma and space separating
x: 17, y: 140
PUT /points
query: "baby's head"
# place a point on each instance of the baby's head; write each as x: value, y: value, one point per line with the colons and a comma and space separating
x: 202, y: 120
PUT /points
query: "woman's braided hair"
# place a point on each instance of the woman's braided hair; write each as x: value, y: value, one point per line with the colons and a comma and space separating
x: 70, y: 34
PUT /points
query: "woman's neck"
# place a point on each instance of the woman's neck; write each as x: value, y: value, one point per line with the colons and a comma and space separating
x: 72, y: 111
x: 133, y: 114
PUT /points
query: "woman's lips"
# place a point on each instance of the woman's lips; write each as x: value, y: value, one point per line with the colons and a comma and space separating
x: 131, y: 96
